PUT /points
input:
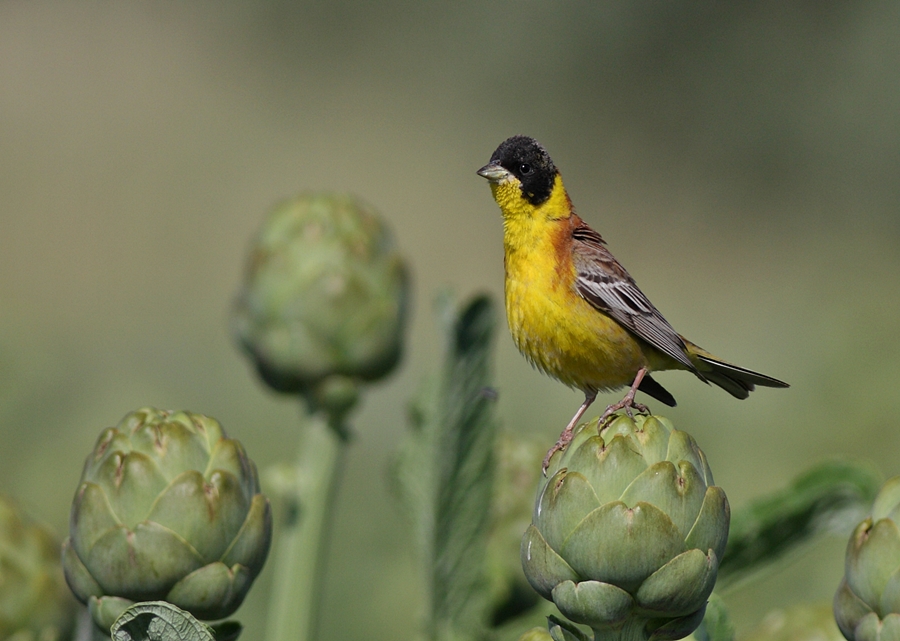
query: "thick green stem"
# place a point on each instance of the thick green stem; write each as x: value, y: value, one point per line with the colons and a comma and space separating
x: 300, y: 542
x: 635, y: 629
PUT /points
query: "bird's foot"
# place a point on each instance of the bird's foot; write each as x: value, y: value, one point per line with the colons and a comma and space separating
x: 561, y: 444
x: 569, y: 433
x: 564, y: 439
x: 640, y: 408
x: 628, y: 403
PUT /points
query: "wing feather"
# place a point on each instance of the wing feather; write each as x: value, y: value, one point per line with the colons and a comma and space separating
x: 605, y: 284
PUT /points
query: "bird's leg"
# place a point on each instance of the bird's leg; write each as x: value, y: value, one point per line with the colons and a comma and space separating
x: 626, y: 403
x: 567, y: 433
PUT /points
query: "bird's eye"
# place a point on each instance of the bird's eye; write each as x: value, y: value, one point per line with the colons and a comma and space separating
x: 525, y: 169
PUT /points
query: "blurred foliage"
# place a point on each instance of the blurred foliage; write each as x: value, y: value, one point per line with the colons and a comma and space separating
x: 802, y: 622
x: 444, y: 474
x: 716, y: 624
x: 517, y: 474
x: 740, y: 158
x: 829, y: 497
x: 35, y: 602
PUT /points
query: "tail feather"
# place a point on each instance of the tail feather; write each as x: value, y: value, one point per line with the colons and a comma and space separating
x: 737, y: 381
x: 650, y: 387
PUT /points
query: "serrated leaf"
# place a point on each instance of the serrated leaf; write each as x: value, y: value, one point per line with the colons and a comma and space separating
x: 831, y: 495
x: 412, y: 475
x: 444, y: 472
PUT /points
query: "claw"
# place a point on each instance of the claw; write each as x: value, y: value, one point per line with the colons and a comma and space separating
x: 627, y: 403
x: 568, y: 433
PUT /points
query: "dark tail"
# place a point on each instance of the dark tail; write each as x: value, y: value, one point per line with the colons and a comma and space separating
x: 737, y: 381
x: 651, y: 388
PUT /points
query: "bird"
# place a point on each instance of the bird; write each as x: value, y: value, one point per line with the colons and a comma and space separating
x: 573, y: 311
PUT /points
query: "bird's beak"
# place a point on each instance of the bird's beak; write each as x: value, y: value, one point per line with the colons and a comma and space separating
x: 494, y: 173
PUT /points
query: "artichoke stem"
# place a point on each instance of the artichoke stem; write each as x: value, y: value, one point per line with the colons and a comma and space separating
x: 634, y: 629
x: 300, y: 541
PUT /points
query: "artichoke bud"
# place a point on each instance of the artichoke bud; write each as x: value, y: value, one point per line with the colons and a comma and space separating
x: 34, y: 602
x: 867, y: 603
x: 628, y: 530
x: 324, y: 298
x: 168, y: 508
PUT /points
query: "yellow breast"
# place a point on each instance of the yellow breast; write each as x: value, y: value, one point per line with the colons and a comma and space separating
x: 556, y: 329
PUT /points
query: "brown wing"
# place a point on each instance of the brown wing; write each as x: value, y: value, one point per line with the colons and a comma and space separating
x: 605, y: 284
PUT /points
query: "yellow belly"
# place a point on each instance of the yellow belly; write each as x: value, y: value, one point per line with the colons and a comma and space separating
x: 568, y: 339
x: 560, y: 332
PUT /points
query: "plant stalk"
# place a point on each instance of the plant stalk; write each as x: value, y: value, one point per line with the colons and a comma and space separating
x: 633, y: 630
x: 300, y: 545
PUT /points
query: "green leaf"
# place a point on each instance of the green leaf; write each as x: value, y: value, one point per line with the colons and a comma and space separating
x: 444, y: 472
x: 829, y: 495
x: 161, y: 621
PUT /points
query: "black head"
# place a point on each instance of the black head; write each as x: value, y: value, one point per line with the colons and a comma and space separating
x: 528, y: 161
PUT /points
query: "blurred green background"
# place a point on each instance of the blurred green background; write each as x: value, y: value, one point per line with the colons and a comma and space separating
x: 740, y: 158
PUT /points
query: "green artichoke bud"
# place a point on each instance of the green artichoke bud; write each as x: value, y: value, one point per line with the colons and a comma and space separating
x: 628, y: 531
x: 168, y: 508
x: 34, y: 602
x: 867, y: 603
x: 323, y: 302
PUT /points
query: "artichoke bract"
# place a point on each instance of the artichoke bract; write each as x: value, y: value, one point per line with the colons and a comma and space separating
x: 34, y: 602
x: 867, y: 603
x: 628, y: 531
x: 323, y: 301
x: 168, y: 508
